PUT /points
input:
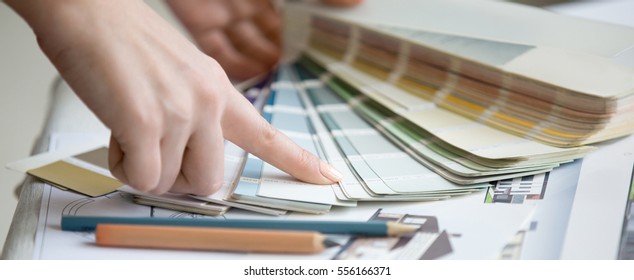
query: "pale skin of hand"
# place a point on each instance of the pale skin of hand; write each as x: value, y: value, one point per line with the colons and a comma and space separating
x: 244, y: 36
x: 169, y: 106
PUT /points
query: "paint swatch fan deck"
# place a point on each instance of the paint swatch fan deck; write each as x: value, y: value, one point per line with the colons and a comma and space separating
x: 522, y: 70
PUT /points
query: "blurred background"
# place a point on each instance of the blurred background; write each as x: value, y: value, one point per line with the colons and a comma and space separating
x: 26, y: 77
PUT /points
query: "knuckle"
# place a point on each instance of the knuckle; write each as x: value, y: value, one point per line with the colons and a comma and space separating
x: 179, y: 113
x: 142, y: 184
x: 267, y: 134
x: 305, y: 159
x: 208, y: 85
x: 143, y: 121
x: 210, y: 97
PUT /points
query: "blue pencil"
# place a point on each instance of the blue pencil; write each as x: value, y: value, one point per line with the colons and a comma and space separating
x: 370, y: 228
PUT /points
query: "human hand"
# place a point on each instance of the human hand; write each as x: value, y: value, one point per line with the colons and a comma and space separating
x: 244, y: 36
x: 169, y: 106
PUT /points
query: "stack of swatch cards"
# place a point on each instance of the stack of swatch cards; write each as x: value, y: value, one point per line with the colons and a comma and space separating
x: 520, y: 77
x: 374, y: 165
x: 383, y: 155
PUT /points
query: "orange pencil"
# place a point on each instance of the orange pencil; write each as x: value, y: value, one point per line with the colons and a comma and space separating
x: 218, y: 239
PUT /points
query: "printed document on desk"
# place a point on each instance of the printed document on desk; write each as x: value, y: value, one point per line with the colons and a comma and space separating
x: 472, y: 240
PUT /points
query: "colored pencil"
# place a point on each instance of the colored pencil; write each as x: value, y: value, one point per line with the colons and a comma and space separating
x: 216, y: 239
x: 369, y: 228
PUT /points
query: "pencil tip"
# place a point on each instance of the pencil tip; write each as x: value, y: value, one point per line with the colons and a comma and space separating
x: 329, y: 243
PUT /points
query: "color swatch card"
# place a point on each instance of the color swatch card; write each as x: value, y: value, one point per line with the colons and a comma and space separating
x: 82, y: 168
x: 284, y: 110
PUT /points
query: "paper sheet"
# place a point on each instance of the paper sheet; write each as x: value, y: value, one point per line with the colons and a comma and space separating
x: 599, y: 209
x: 552, y: 194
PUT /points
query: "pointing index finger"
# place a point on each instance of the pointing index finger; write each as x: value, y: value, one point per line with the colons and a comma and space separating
x: 244, y: 126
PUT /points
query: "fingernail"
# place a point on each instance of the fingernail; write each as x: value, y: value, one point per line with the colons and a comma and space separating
x: 330, y: 172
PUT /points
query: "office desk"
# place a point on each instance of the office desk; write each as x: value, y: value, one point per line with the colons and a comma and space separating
x: 68, y: 115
